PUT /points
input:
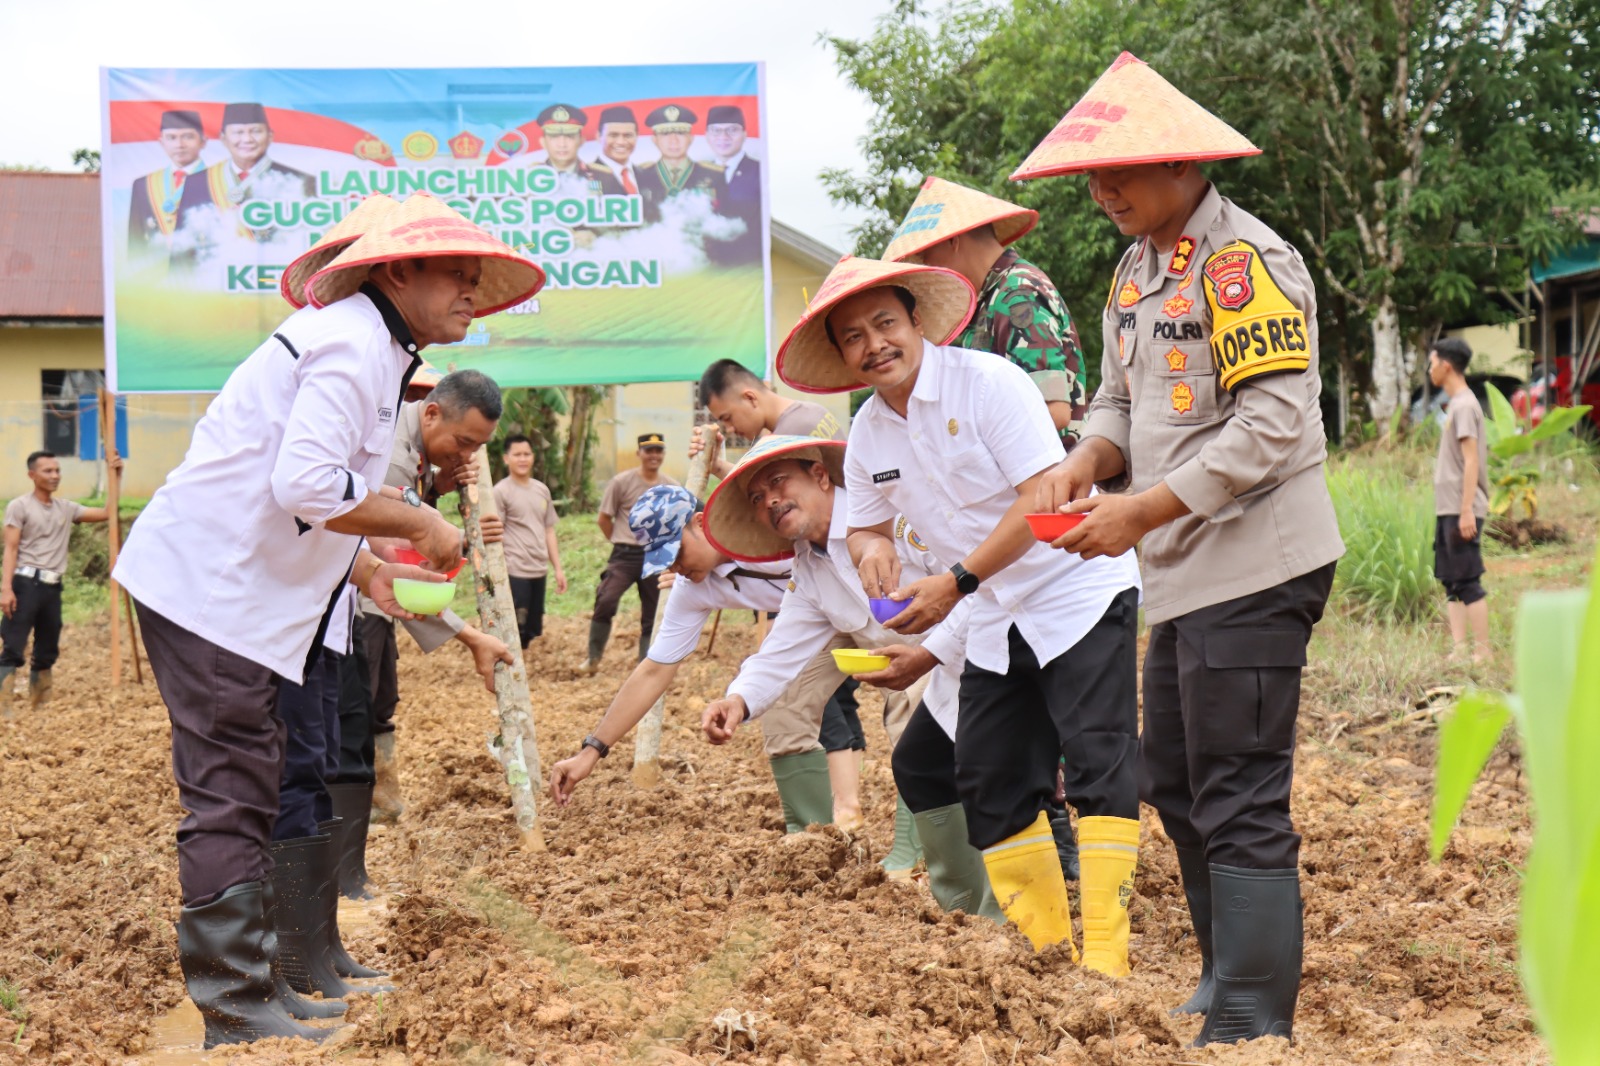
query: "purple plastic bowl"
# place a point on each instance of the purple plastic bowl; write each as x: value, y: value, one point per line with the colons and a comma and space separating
x: 883, y: 610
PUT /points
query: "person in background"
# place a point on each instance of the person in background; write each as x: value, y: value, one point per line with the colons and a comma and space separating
x: 625, y: 567
x: 528, y: 517
x: 1460, y: 500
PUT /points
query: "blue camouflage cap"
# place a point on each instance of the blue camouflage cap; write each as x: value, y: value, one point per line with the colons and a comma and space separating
x: 658, y: 519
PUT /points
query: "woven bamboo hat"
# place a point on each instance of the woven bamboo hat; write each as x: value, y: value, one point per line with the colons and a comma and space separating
x: 732, y: 525
x: 944, y: 209
x: 424, y: 227
x: 807, y: 359
x: 367, y: 214
x: 1132, y: 115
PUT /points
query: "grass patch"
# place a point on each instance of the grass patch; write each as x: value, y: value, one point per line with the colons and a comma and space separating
x: 584, y: 552
x: 11, y: 1001
x: 1386, y: 519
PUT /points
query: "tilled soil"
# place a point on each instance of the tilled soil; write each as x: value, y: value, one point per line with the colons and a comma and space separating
x: 680, y: 925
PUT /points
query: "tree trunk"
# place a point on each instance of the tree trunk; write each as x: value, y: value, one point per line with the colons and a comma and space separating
x: 577, y: 445
x: 647, y: 742
x: 515, y: 745
x: 1388, y: 364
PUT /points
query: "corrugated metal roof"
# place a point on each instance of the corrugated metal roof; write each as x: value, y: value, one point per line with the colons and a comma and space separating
x: 50, y: 245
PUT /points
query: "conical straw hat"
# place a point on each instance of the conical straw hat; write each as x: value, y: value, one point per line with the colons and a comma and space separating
x: 944, y: 209
x: 808, y: 360
x: 732, y: 525
x: 367, y: 214
x: 424, y: 227
x: 1132, y: 115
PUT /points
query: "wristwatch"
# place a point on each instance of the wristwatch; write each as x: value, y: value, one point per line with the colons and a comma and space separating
x: 600, y: 746
x: 409, y: 495
x: 966, y: 580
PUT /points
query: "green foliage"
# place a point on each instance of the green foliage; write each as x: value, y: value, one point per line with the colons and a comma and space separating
x: 536, y: 413
x: 1466, y: 740
x: 1515, y: 484
x: 86, y: 160
x: 1387, y: 521
x: 1558, y: 671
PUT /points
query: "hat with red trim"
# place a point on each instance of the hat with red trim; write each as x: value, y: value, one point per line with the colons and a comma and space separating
x: 732, y: 524
x: 944, y: 209
x: 423, y: 227
x: 364, y: 216
x: 809, y: 361
x: 1132, y: 115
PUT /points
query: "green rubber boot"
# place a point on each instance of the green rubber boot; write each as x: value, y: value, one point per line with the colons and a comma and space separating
x: 8, y: 689
x: 804, y: 789
x: 902, y: 858
x: 956, y: 873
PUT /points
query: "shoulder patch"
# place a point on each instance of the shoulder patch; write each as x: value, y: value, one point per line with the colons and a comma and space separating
x: 1255, y: 328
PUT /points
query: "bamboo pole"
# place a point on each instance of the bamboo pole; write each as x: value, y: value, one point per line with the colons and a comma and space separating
x: 715, y: 622
x: 515, y: 745
x: 647, y: 743
x: 108, y: 448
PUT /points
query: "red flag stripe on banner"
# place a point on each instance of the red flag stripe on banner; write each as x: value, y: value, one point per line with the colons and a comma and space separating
x: 140, y: 120
x: 700, y: 105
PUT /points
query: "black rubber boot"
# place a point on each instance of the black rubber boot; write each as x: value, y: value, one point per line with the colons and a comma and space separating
x: 227, y: 968
x: 352, y: 802
x: 297, y: 1005
x: 343, y: 964
x: 1258, y: 934
x: 1066, y: 842
x: 1197, y: 888
x: 302, y: 921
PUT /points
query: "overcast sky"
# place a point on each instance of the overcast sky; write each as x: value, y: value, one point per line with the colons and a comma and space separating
x: 50, y: 86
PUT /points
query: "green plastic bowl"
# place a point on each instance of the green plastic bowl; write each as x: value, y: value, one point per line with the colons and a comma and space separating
x: 423, y: 597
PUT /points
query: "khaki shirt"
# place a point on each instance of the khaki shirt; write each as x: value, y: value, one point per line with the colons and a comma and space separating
x: 621, y: 493
x: 527, y: 512
x: 45, y: 530
x: 1209, y: 383
x: 1464, y: 422
x: 806, y: 419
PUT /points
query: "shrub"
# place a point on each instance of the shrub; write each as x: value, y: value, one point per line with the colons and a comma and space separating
x: 1387, y: 523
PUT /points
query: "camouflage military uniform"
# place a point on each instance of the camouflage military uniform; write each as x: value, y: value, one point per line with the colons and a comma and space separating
x: 1022, y: 317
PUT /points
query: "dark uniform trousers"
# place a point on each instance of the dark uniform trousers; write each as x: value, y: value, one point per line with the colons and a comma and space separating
x: 310, y: 714
x: 1221, y: 695
x: 1079, y: 712
x: 38, y: 613
x: 841, y: 720
x: 625, y: 567
x: 227, y: 756
x: 355, y: 763
x: 924, y: 764
x: 376, y: 635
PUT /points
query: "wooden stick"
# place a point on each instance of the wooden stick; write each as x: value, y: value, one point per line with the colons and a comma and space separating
x: 133, y: 638
x: 108, y: 448
x: 715, y: 622
x: 515, y: 745
x: 647, y: 743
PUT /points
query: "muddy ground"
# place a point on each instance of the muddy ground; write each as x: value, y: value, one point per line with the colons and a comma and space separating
x: 679, y: 925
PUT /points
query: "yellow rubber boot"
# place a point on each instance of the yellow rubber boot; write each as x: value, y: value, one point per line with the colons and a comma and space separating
x: 1108, y: 851
x: 1025, y: 873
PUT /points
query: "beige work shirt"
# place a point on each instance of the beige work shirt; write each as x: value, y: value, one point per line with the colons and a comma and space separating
x: 527, y: 512
x: 1210, y: 384
x: 45, y: 530
x: 621, y: 493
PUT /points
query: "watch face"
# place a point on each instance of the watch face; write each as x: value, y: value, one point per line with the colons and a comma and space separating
x: 411, y: 497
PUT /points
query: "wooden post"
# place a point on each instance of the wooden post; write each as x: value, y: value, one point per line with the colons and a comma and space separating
x: 647, y: 742
x: 515, y: 745
x: 108, y: 448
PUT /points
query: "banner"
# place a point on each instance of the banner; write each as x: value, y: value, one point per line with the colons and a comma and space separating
x: 641, y: 192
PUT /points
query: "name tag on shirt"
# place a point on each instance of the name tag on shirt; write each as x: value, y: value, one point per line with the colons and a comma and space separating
x: 885, y: 475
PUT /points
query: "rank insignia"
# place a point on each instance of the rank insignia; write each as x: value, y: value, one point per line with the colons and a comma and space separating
x: 465, y: 145
x: 1182, y: 397
x: 1229, y: 271
x: 1181, y: 255
x: 1129, y: 295
x: 1177, y: 362
x: 1177, y: 307
x: 953, y: 426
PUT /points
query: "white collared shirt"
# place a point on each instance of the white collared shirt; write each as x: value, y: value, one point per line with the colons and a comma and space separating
x: 233, y: 547
x: 690, y: 603
x: 825, y: 597
x: 975, y: 428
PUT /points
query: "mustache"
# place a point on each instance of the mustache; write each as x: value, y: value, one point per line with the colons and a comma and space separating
x: 776, y: 512
x: 873, y: 362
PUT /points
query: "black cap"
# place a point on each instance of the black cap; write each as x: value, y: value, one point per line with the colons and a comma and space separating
x: 244, y: 115
x: 619, y: 113
x: 671, y: 118
x: 725, y: 113
x: 182, y: 120
x: 652, y: 440
x: 562, y: 118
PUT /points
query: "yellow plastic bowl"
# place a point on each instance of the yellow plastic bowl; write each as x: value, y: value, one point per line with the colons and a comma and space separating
x: 857, y: 661
x: 423, y: 597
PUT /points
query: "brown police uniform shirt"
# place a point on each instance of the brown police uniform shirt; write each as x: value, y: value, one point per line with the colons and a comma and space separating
x: 806, y: 419
x: 45, y: 530
x: 621, y: 493
x: 527, y: 512
x: 1464, y: 421
x: 406, y: 466
x: 1209, y: 383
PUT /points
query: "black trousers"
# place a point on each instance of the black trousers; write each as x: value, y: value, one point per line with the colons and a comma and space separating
x: 841, y: 722
x: 376, y: 635
x: 1079, y: 712
x: 924, y: 764
x: 527, y: 597
x: 38, y: 614
x: 227, y: 756
x: 310, y: 714
x: 355, y: 719
x: 625, y: 568
x: 1221, y: 695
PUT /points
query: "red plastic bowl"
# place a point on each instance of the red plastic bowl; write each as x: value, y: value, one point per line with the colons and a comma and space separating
x: 416, y: 558
x: 1048, y: 527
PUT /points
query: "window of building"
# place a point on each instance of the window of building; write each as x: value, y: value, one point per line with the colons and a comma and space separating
x: 60, y: 391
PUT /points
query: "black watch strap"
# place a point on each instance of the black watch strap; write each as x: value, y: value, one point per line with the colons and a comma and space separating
x: 966, y: 580
x: 592, y: 741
